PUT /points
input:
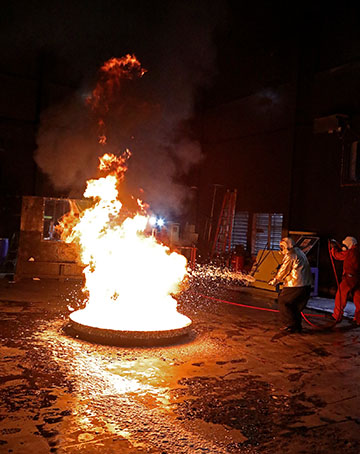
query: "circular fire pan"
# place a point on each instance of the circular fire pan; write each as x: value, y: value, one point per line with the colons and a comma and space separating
x: 128, y: 338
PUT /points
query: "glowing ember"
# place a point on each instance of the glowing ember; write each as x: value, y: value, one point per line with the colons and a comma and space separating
x: 129, y: 276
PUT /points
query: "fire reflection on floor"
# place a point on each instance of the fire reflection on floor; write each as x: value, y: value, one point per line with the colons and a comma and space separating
x: 124, y: 392
x: 231, y: 388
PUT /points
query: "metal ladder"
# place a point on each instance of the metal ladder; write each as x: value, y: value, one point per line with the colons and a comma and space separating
x: 222, y: 239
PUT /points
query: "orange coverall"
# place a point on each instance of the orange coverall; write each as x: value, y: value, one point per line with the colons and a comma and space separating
x: 350, y: 282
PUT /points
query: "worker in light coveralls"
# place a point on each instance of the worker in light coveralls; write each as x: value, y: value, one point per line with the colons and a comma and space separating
x: 295, y: 274
x: 350, y: 282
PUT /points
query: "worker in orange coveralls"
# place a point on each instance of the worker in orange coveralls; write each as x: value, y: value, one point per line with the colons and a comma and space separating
x: 350, y: 282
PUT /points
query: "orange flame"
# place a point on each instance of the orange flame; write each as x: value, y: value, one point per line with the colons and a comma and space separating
x: 130, y: 277
x: 102, y: 140
x: 68, y: 221
x: 114, y: 164
x: 110, y: 76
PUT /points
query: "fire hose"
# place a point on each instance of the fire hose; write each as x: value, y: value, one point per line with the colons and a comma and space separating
x: 264, y: 309
x: 304, y: 315
x: 333, y: 267
x: 332, y: 261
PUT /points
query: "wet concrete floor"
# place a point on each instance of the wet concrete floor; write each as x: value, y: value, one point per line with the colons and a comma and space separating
x: 232, y: 386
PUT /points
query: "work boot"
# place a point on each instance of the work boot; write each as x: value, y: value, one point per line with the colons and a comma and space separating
x: 332, y: 318
x: 291, y: 329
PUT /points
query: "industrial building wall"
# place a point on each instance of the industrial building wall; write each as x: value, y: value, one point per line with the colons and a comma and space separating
x: 37, y: 257
x: 323, y: 197
x: 248, y: 145
x: 324, y: 200
x: 282, y: 160
x: 17, y: 134
x: 22, y: 97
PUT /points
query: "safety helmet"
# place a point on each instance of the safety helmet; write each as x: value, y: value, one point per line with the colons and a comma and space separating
x: 350, y: 242
x: 286, y: 244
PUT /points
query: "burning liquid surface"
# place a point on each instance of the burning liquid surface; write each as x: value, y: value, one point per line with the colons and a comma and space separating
x: 118, y: 321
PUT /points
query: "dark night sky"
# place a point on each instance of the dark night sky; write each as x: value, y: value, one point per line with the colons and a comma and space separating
x: 77, y: 37
x: 197, y: 53
x: 69, y: 41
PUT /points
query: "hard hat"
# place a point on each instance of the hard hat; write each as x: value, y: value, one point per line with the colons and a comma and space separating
x: 287, y: 244
x: 350, y: 241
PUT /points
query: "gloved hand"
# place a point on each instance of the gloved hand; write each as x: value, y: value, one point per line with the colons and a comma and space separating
x: 272, y: 282
x: 334, y: 244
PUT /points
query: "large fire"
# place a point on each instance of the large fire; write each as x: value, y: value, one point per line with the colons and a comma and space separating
x: 129, y: 276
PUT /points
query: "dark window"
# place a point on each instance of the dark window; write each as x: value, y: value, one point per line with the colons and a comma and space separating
x: 240, y: 229
x: 267, y: 231
x: 54, y: 210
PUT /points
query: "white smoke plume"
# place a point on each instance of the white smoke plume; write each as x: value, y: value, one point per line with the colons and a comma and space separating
x: 147, y: 116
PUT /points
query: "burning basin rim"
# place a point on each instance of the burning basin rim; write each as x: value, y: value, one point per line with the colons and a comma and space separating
x: 122, y: 336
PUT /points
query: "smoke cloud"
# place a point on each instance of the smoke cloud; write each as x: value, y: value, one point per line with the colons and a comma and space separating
x: 148, y: 115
